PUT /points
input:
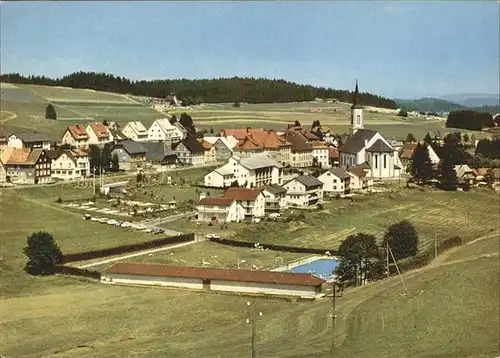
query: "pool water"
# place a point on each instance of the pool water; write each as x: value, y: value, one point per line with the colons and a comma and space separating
x: 321, y: 268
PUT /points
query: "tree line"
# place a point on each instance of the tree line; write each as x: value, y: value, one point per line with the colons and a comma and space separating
x: 216, y: 90
x: 471, y: 120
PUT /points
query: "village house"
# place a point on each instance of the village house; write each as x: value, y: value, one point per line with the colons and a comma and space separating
x: 465, y: 175
x: 301, y: 152
x: 369, y: 146
x: 303, y: 191
x: 160, y: 155
x: 333, y: 156
x: 4, y: 140
x: 162, y: 129
x: 406, y: 154
x: 116, y: 134
x: 335, y: 181
x: 69, y: 165
x: 131, y: 155
x: 286, y: 284
x: 236, y: 204
x: 210, y: 153
x: 136, y: 131
x: 98, y: 134
x: 479, y: 174
x: 190, y: 151
x: 29, y: 139
x: 26, y: 166
x: 275, y: 196
x: 239, y: 134
x: 3, y: 171
x: 250, y: 172
x: 223, y: 146
x: 360, y: 177
x: 321, y: 154
x: 264, y: 142
x: 75, y: 136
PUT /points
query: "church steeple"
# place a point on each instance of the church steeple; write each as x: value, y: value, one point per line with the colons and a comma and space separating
x: 356, y: 111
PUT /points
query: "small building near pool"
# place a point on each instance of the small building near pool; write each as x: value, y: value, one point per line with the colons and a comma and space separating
x: 215, y: 279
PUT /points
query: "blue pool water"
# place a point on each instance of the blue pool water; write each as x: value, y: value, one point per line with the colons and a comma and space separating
x: 321, y: 268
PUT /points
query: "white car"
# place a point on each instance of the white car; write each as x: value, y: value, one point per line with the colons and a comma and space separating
x: 94, y: 218
x: 126, y: 224
x: 209, y: 236
x: 140, y: 227
x: 103, y: 220
x: 148, y: 229
x: 111, y: 222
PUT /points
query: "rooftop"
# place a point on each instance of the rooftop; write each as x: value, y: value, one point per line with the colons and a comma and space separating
x: 357, y: 141
x: 216, y: 201
x: 100, y: 130
x: 131, y: 147
x: 380, y: 147
x: 241, y: 194
x: 308, y: 180
x: 274, y: 189
x: 239, y: 134
x: 297, y: 140
x: 32, y: 136
x: 78, y: 131
x: 339, y: 173
x: 259, y: 161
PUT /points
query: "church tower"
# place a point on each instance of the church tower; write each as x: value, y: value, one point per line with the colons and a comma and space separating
x: 356, y: 112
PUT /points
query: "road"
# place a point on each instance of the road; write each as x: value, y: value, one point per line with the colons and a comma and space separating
x: 141, y: 253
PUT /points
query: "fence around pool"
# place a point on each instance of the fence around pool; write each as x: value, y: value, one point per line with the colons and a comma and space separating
x: 318, y: 266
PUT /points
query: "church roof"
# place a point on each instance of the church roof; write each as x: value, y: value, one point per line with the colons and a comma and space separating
x: 357, y: 141
x: 355, y: 98
x: 380, y: 147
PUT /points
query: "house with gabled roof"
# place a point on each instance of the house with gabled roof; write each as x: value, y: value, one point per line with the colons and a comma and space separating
x: 69, y: 165
x: 98, y: 134
x: 160, y: 155
x: 223, y: 146
x: 210, y: 151
x: 190, y: 151
x: 266, y: 142
x: 335, y: 181
x: 131, y: 155
x: 360, y: 177
x: 29, y: 139
x: 369, y: 146
x: 303, y: 191
x: 3, y: 172
x: 116, y: 134
x: 239, y: 134
x: 301, y: 152
x: 75, y: 136
x: 407, y: 150
x: 26, y: 165
x: 135, y: 130
x: 275, y: 196
x: 162, y: 129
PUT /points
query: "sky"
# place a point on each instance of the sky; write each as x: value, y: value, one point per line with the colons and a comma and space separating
x: 394, y: 49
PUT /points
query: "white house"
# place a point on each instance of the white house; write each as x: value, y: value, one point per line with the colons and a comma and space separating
x: 275, y: 196
x: 162, y: 129
x: 69, y: 165
x: 236, y: 204
x: 98, y: 134
x: 135, y: 130
x: 29, y: 139
x: 190, y: 151
x: 335, y: 181
x: 369, y: 146
x: 75, y: 136
x: 250, y: 172
x: 360, y: 177
x: 215, y: 279
x: 304, y: 190
x: 321, y: 153
x: 407, y: 150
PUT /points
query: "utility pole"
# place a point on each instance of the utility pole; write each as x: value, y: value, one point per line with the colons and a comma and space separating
x: 253, y: 320
x: 334, y: 294
x: 387, y: 258
x: 399, y: 273
x: 93, y: 182
x: 435, y: 243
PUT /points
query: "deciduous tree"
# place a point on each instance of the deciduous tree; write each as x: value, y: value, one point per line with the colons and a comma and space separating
x: 43, y: 254
x: 402, y: 239
x: 50, y: 112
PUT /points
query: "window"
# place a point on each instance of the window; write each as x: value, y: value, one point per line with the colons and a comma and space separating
x: 358, y: 118
x: 376, y: 161
x: 385, y: 161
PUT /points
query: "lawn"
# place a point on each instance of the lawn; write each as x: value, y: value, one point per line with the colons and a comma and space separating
x: 489, y: 245
x: 435, y: 214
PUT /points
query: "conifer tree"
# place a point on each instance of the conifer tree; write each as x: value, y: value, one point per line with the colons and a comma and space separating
x: 421, y: 166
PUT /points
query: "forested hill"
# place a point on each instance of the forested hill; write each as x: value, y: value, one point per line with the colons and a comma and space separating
x: 220, y: 90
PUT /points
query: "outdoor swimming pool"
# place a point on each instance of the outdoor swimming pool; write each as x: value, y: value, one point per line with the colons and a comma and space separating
x: 317, y: 266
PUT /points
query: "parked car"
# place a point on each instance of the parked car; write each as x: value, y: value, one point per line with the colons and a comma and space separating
x: 103, y: 220
x: 118, y: 223
x: 140, y: 227
x: 148, y: 229
x: 157, y: 231
x: 87, y: 217
x: 209, y: 236
x: 111, y: 222
x: 126, y: 224
x: 94, y: 218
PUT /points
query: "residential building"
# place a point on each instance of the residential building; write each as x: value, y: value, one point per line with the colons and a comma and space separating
x: 369, y: 146
x: 160, y: 155
x: 321, y: 153
x: 4, y: 140
x: 239, y: 134
x: 301, y: 152
x: 479, y: 174
x: 266, y: 142
x: 210, y: 153
x: 223, y: 146
x: 116, y: 134
x: 69, y: 165
x: 98, y: 134
x: 26, y: 166
x: 136, y: 131
x: 252, y: 201
x: 333, y: 156
x: 131, y: 155
x: 190, y: 151
x: 360, y: 177
x: 465, y: 175
x: 162, y: 129
x: 275, y: 197
x: 29, y: 139
x: 237, y: 281
x: 3, y: 171
x: 407, y: 150
x: 335, y: 181
x: 181, y: 131
x: 75, y: 136
x: 303, y: 191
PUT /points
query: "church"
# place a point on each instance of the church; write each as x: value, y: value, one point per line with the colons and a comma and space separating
x: 367, y: 146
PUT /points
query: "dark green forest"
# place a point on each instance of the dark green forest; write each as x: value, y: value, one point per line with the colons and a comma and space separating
x: 217, y: 90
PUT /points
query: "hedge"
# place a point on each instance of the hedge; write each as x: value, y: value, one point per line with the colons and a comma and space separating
x: 299, y: 250
x: 75, y: 271
x: 88, y: 255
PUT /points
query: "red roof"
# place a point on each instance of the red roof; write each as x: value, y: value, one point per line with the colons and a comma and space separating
x: 241, y: 194
x: 216, y: 201
x: 78, y: 131
x: 99, y: 129
x: 222, y: 274
x: 239, y: 134
x: 333, y: 152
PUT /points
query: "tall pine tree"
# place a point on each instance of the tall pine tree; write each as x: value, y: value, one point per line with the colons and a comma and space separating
x: 421, y: 166
x: 450, y: 156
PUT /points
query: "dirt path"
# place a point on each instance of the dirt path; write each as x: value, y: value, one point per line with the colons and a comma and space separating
x: 11, y: 116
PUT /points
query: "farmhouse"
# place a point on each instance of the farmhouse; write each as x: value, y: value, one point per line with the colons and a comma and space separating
x: 465, y: 175
x: 304, y: 190
x: 275, y: 197
x: 210, y: 151
x: 98, y: 134
x: 223, y: 146
x: 335, y: 181
x: 162, y: 129
x: 215, y: 279
x: 26, y: 166
x: 190, y: 151
x: 369, y: 146
x: 69, y: 164
x: 29, y: 140
x: 160, y: 155
x: 406, y: 153
x: 75, y: 136
x: 131, y: 155
x: 135, y: 131
x: 116, y: 134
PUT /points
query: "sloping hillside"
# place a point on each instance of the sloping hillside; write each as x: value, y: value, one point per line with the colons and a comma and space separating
x: 428, y: 105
